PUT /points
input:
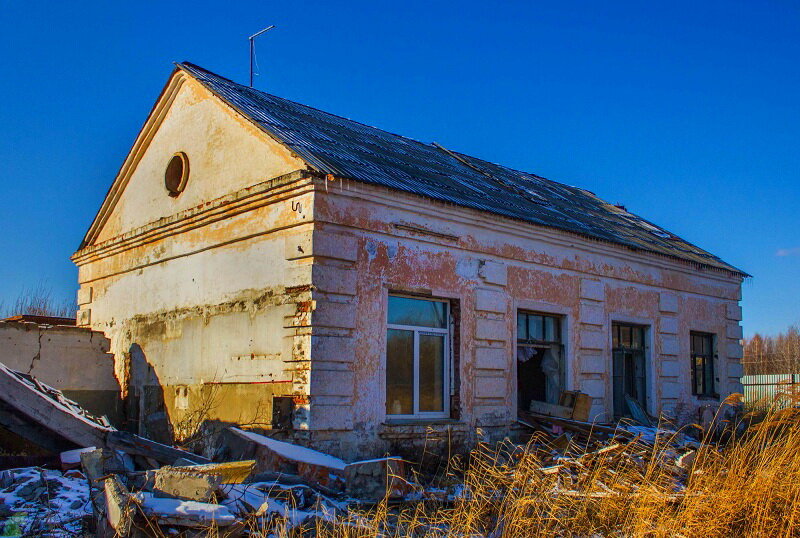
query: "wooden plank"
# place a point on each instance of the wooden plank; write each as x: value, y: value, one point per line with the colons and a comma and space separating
x: 23, y: 396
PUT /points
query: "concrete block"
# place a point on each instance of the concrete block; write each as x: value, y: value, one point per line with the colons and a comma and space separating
x: 593, y: 364
x: 331, y: 314
x: 331, y: 417
x: 596, y: 388
x: 320, y: 244
x: 734, y: 349
x: 592, y: 289
x: 669, y: 344
x: 670, y: 389
x: 335, y: 245
x: 84, y: 295
x: 490, y: 301
x: 335, y: 279
x: 668, y: 302
x: 734, y: 330
x: 491, y: 387
x: 735, y: 369
x: 298, y: 275
x: 332, y: 382
x: 183, y: 484
x: 733, y: 311
x: 493, y: 272
x: 670, y: 368
x: 668, y: 325
x: 735, y: 386
x: 333, y: 348
x: 589, y: 339
x: 492, y: 329
x: 492, y: 358
x: 593, y: 314
x: 84, y: 317
x: 298, y: 245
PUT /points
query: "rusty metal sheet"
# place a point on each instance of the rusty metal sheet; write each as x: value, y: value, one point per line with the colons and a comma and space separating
x: 345, y: 148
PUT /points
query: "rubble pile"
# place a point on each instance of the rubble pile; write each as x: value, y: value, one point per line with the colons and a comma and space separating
x: 125, y: 485
x: 41, y: 502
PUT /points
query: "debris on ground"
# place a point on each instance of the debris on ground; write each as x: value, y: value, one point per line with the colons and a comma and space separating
x: 114, y: 483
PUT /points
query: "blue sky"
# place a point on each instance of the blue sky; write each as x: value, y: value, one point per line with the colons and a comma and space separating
x: 686, y: 112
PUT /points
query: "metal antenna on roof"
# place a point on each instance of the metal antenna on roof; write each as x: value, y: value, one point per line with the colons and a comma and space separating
x: 252, y: 40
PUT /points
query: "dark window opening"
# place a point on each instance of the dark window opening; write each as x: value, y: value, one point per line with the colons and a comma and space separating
x: 540, y: 364
x: 629, y: 367
x: 703, y: 364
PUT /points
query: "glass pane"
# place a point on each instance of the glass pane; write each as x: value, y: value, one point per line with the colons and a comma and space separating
x: 708, y: 374
x: 399, y: 372
x: 638, y: 337
x: 551, y: 333
x: 615, y: 336
x: 522, y: 327
x: 417, y: 312
x: 707, y: 345
x: 697, y: 347
x: 535, y: 327
x: 625, y: 335
x: 431, y: 372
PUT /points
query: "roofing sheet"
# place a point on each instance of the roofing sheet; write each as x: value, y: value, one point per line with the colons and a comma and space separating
x: 349, y: 149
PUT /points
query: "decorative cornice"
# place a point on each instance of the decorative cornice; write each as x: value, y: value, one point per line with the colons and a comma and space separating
x: 221, y: 208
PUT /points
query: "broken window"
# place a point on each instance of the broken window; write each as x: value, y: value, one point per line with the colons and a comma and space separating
x: 630, y: 367
x: 540, y: 368
x: 703, y: 364
x: 417, y: 357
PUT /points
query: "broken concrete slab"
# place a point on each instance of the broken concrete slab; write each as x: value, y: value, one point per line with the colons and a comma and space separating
x: 317, y: 468
x: 184, y: 513
x: 377, y: 479
x: 232, y: 472
x: 183, y: 483
x: 120, y: 506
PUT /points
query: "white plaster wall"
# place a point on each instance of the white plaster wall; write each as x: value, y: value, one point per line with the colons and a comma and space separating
x: 226, y: 153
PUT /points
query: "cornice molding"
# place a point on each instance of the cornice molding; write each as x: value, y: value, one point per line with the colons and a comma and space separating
x: 230, y: 205
x: 464, y: 216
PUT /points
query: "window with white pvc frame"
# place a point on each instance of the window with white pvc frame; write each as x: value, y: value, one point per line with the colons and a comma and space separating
x: 417, y: 358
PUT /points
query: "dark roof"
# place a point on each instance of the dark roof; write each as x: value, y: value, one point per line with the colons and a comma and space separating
x: 348, y: 149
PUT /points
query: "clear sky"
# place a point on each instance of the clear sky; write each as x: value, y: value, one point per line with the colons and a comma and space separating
x: 686, y: 112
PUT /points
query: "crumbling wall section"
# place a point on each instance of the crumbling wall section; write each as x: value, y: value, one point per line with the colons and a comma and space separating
x: 73, y: 360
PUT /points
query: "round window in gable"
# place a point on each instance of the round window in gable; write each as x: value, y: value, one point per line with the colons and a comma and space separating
x: 177, y: 174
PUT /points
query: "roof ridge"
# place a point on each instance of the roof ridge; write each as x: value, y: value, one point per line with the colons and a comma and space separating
x: 272, y: 95
x: 430, y: 145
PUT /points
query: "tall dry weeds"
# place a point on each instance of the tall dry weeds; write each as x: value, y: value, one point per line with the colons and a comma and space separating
x: 749, y: 487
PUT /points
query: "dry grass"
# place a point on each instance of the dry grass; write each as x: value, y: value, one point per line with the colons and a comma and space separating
x: 749, y: 487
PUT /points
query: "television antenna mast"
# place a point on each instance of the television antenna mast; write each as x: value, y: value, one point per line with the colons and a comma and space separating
x: 252, y: 40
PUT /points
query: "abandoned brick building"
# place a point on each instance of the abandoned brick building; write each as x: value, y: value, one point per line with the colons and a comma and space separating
x: 377, y: 290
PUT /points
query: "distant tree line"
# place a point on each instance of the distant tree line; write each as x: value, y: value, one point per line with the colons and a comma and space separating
x: 778, y: 354
x: 38, y: 301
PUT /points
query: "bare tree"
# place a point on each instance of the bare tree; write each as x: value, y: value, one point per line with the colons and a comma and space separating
x: 39, y: 301
x: 779, y: 354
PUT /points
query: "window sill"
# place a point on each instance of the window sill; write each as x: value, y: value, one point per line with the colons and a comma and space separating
x: 419, y: 421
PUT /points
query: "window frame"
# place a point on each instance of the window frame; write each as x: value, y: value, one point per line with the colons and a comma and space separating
x: 558, y: 343
x: 708, y: 362
x: 642, y: 331
x: 448, y: 353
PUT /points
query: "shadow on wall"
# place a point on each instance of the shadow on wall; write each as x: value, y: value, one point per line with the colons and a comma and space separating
x: 145, y: 409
